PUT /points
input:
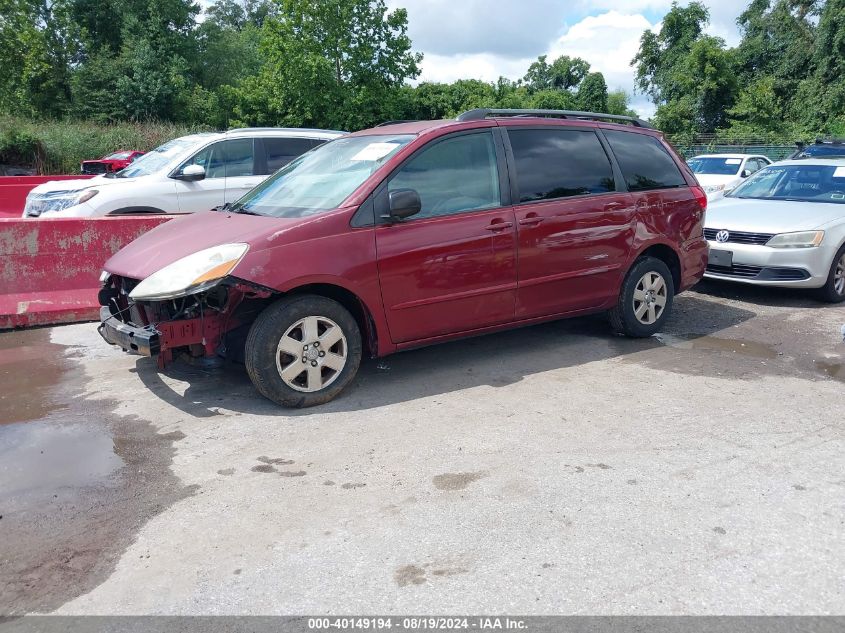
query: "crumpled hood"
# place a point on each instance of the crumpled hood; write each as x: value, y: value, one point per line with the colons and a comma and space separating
x: 771, y: 216
x: 183, y: 236
x: 82, y: 183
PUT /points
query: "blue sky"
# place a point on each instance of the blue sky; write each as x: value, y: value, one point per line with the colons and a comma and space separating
x: 480, y: 39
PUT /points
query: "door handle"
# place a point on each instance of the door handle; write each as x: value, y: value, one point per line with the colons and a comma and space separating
x: 613, y: 206
x: 498, y: 226
x: 532, y: 220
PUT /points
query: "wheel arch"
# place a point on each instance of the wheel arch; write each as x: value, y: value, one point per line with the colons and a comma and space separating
x: 668, y: 256
x: 353, y: 303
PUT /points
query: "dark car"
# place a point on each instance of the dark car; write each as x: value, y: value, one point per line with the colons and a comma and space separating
x: 417, y: 233
x: 819, y: 149
x: 111, y: 163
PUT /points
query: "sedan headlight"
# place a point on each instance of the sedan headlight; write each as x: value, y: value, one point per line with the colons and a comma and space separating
x: 804, y: 239
x: 38, y: 203
x: 189, y: 275
x: 713, y: 188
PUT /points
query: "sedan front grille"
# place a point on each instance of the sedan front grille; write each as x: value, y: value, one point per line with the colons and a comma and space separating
x: 737, y: 270
x: 771, y: 273
x: 739, y: 237
x: 94, y: 168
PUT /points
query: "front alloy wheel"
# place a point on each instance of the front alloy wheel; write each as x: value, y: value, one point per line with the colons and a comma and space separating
x: 311, y: 354
x: 303, y: 350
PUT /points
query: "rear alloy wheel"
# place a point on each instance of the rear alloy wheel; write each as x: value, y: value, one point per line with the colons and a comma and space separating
x: 303, y: 350
x: 645, y: 299
x: 834, y: 290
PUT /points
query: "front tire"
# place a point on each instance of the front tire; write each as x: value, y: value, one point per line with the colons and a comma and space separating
x: 645, y: 299
x: 303, y: 350
x: 834, y: 290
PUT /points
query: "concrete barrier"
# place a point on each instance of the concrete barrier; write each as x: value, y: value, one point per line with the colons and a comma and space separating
x: 50, y: 269
x: 14, y: 189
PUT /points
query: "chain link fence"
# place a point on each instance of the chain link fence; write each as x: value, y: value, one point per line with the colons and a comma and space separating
x: 712, y: 144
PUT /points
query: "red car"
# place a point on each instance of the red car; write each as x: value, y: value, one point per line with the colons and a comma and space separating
x: 111, y: 163
x: 412, y: 234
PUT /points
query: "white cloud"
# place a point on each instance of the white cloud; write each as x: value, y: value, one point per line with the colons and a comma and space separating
x: 467, y: 40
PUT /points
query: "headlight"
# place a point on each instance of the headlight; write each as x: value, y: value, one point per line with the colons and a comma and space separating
x: 38, y: 203
x: 189, y: 275
x: 713, y: 188
x: 806, y: 239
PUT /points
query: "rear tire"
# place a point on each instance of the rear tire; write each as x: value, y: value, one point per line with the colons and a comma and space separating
x: 834, y: 290
x: 645, y: 299
x: 303, y: 350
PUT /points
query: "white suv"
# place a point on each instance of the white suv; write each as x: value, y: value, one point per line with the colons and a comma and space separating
x: 188, y: 174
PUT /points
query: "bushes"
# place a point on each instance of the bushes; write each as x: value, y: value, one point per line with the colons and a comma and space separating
x: 57, y: 147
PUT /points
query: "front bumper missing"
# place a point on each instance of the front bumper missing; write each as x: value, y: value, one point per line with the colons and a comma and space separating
x: 143, y: 341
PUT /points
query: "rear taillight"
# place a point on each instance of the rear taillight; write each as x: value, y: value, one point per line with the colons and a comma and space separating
x: 700, y: 197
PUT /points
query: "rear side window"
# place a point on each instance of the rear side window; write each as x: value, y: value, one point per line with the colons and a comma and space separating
x: 239, y: 157
x: 644, y: 161
x: 456, y: 175
x: 559, y: 164
x: 281, y: 151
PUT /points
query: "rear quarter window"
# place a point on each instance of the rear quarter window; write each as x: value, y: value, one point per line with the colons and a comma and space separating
x: 644, y: 162
x: 555, y: 163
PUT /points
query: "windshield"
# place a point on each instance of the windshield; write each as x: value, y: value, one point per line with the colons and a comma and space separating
x: 321, y: 179
x: 831, y: 149
x: 117, y: 156
x: 810, y: 183
x: 157, y: 159
x: 715, y: 166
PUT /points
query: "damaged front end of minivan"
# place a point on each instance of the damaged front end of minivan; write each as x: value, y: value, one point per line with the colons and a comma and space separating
x: 193, y: 306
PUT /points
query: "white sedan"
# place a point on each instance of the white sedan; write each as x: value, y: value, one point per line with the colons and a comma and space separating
x: 784, y: 226
x: 719, y: 173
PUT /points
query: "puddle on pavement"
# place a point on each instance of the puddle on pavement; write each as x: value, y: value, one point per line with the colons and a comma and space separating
x: 39, y: 458
x: 77, y: 481
x: 716, y: 344
x: 831, y: 369
x: 31, y: 367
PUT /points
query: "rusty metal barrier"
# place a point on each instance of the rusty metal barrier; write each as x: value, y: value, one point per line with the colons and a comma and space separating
x: 50, y: 269
x: 14, y: 189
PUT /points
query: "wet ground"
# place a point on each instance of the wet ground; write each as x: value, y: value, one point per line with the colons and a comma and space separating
x: 554, y: 469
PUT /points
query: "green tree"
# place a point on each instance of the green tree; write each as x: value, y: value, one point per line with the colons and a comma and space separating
x: 592, y: 93
x: 661, y: 54
x: 617, y: 103
x: 564, y: 73
x: 36, y: 49
x: 330, y: 63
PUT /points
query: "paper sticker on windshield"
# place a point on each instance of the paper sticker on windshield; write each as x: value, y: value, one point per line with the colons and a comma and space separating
x: 733, y: 161
x: 375, y: 151
x: 839, y: 172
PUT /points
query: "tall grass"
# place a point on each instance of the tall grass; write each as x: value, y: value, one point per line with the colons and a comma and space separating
x: 57, y: 147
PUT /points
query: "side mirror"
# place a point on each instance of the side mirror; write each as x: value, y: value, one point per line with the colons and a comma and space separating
x: 191, y: 173
x: 745, y: 173
x: 404, y: 203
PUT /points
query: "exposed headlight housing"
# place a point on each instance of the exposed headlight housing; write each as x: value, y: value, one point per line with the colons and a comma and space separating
x: 38, y: 203
x: 713, y: 188
x: 803, y: 239
x: 192, y: 274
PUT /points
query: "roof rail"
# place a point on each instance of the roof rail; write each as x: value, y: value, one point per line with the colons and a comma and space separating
x: 482, y: 113
x: 397, y: 122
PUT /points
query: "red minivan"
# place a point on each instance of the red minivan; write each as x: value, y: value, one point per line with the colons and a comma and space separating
x: 414, y: 233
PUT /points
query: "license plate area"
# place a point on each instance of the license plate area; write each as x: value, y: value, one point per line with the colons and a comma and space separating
x: 721, y: 258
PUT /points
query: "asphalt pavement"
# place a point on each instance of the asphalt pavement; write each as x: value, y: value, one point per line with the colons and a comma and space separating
x: 555, y: 469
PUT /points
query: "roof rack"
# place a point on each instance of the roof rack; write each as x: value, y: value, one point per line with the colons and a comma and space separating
x: 397, y: 122
x: 830, y: 141
x: 482, y: 113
